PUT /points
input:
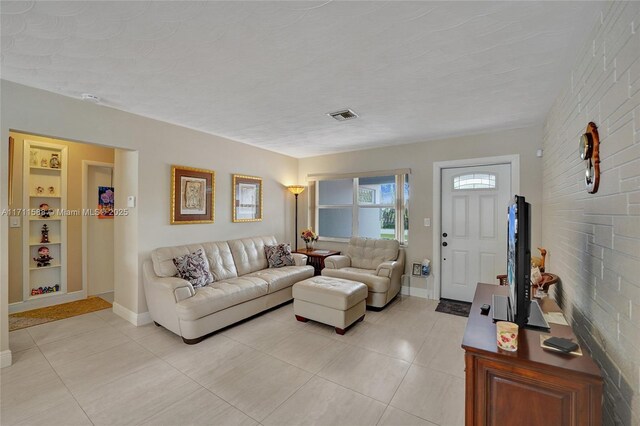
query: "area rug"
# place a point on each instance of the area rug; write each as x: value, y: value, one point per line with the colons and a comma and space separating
x: 454, y: 307
x: 26, y: 319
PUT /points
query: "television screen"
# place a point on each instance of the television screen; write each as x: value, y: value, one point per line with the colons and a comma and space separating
x: 512, y: 240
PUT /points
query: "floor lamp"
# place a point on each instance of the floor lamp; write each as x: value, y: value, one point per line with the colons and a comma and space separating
x: 296, y: 190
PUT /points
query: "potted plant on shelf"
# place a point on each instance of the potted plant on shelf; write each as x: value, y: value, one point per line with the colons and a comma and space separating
x: 309, y: 237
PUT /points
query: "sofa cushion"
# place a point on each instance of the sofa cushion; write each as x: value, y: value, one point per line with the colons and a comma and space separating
x: 194, y: 268
x: 163, y: 257
x: 279, y: 255
x: 220, y: 260
x: 368, y: 253
x: 375, y: 283
x: 248, y: 253
x: 279, y: 278
x: 219, y: 296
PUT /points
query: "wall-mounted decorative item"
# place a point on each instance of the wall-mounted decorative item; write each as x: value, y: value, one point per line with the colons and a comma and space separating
x: 247, y: 198
x: 589, y: 150
x: 192, y: 195
x: 54, y: 162
x: 416, y: 269
x: 105, y: 202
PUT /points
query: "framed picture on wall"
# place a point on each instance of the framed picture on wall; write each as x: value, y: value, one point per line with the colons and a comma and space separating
x: 192, y: 195
x: 247, y: 198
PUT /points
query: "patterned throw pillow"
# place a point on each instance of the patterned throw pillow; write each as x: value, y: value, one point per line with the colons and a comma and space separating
x: 279, y: 255
x: 194, y: 268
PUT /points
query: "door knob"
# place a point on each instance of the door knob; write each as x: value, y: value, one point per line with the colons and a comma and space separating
x: 444, y: 244
x: 444, y: 234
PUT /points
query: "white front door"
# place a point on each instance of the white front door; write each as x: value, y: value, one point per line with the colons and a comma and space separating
x: 473, y: 231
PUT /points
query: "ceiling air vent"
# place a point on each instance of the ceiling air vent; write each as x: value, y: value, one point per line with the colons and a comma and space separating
x: 345, y: 114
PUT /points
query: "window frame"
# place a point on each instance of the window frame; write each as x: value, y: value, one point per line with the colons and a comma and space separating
x: 399, y: 205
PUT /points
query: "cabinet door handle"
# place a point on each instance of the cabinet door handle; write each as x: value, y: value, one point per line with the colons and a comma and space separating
x: 444, y: 244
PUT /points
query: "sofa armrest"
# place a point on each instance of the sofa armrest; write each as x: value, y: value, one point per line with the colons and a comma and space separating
x: 300, y: 259
x: 385, y: 269
x: 180, y: 289
x: 337, y: 262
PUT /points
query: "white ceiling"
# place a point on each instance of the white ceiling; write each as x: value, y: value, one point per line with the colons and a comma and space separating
x: 266, y: 73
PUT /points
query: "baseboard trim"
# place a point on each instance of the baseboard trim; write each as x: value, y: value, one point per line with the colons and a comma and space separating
x: 5, y: 358
x: 415, y: 292
x: 135, y: 319
x: 47, y: 300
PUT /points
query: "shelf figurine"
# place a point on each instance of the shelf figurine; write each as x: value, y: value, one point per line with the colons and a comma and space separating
x: 43, y: 258
x: 44, y: 163
x: 44, y: 210
x: 54, y: 163
x: 45, y: 234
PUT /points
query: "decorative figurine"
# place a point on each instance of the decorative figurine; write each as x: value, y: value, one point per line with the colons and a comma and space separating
x: 45, y: 234
x: 44, y: 163
x: 43, y: 258
x: 39, y: 190
x: 33, y: 158
x: 52, y: 190
x: 54, y: 163
x: 45, y: 211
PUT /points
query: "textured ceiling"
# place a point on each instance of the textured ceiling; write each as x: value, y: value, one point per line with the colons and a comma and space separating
x: 266, y: 73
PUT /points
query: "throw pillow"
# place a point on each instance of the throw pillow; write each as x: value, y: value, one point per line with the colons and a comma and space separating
x: 279, y: 255
x: 194, y: 268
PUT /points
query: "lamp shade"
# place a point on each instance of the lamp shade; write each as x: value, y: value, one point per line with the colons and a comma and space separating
x: 295, y: 189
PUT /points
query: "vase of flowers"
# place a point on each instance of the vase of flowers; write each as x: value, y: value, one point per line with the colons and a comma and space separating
x: 309, y: 237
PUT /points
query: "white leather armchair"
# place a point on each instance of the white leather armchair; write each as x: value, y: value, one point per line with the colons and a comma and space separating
x: 376, y: 262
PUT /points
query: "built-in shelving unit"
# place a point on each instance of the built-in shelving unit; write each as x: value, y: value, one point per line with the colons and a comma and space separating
x: 44, y: 183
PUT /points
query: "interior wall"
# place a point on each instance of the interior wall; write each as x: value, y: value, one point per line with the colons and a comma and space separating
x: 419, y: 157
x: 158, y: 146
x: 594, y: 239
x: 76, y: 153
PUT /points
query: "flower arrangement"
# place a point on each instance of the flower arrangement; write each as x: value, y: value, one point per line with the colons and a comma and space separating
x: 308, y: 235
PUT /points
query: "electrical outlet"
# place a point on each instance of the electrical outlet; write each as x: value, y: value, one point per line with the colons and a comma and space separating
x: 427, y: 221
x: 14, y: 222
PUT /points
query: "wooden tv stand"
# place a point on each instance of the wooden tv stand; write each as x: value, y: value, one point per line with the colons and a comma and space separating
x: 532, y: 386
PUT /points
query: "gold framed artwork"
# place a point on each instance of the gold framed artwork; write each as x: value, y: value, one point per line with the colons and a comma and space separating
x: 247, y: 198
x: 192, y: 195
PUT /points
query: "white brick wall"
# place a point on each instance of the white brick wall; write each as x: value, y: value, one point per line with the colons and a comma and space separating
x: 594, y: 239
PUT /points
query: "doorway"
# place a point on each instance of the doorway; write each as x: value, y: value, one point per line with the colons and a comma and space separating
x: 470, y: 201
x: 98, y: 231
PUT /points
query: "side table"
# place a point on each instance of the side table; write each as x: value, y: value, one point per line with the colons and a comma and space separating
x: 316, y: 257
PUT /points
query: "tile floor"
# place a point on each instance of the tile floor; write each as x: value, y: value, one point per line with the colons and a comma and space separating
x: 401, y: 366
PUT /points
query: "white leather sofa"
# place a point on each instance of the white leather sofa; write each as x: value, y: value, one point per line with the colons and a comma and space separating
x: 244, y: 286
x: 376, y: 262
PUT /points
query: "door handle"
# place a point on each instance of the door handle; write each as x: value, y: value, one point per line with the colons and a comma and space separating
x: 444, y: 244
x: 444, y: 234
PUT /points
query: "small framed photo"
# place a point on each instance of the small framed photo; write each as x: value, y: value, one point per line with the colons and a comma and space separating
x: 247, y: 198
x: 417, y: 269
x: 192, y: 195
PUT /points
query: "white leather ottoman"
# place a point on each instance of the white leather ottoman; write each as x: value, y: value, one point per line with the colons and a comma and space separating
x: 334, y: 301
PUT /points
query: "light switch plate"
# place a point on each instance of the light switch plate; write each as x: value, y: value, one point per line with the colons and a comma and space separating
x: 427, y: 221
x: 131, y: 201
x: 14, y: 222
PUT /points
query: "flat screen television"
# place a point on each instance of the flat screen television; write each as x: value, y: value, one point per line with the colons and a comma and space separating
x: 518, y: 307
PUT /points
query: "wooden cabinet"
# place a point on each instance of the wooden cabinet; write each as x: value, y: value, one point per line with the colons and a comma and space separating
x: 528, y: 387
